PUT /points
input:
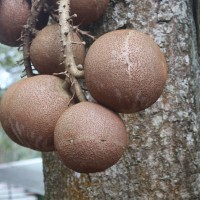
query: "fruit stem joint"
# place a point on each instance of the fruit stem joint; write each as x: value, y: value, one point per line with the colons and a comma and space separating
x: 66, y: 30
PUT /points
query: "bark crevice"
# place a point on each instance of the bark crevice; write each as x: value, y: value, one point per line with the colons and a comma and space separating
x: 164, y: 139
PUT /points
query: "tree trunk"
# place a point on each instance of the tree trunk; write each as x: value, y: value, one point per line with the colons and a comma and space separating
x: 162, y: 160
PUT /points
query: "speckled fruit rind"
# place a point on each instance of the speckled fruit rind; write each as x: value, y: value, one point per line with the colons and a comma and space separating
x: 89, y: 138
x: 13, y: 16
x: 30, y: 108
x: 88, y: 11
x: 125, y: 71
x: 46, y: 50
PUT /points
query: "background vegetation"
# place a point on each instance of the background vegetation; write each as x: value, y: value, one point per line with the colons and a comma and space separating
x: 10, y: 72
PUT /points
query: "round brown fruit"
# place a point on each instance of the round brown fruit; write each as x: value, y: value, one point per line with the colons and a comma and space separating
x: 13, y: 16
x: 30, y: 109
x: 88, y: 11
x: 125, y: 71
x: 89, y: 138
x: 46, y: 50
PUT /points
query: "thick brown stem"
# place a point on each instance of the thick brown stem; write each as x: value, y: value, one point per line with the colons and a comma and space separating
x: 26, y: 53
x: 66, y: 38
x: 29, y: 30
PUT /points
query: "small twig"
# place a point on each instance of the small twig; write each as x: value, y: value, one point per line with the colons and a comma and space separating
x: 60, y: 73
x: 71, y: 17
x: 85, y: 33
x: 20, y: 47
x: 79, y: 43
x: 20, y: 62
x: 72, y: 98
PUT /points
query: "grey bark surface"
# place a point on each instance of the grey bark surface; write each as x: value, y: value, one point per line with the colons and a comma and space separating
x: 162, y: 160
x: 196, y: 9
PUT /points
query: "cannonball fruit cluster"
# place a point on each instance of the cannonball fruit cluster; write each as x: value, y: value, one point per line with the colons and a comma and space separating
x: 125, y: 72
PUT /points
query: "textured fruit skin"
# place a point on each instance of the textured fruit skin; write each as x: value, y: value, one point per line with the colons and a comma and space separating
x: 125, y: 71
x: 13, y: 16
x: 87, y: 11
x: 30, y: 109
x: 46, y: 50
x: 89, y: 138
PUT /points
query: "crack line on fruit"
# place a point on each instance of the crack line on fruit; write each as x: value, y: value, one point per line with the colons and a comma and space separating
x: 128, y: 62
x: 66, y: 29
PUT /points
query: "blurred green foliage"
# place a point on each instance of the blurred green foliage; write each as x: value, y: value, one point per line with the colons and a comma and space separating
x: 9, y: 151
x: 9, y: 56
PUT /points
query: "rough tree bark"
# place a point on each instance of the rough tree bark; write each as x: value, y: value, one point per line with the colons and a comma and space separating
x: 163, y: 157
